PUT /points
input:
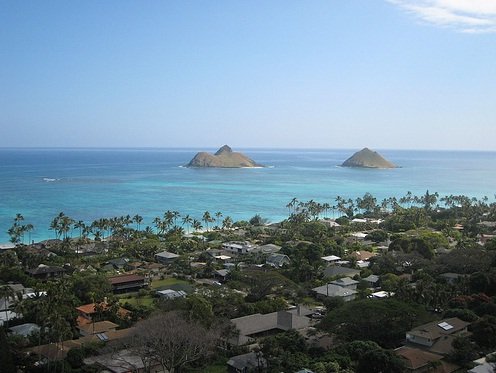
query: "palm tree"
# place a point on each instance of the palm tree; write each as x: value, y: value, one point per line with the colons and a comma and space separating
x: 227, y: 222
x: 29, y: 228
x: 7, y: 293
x: 138, y: 220
x: 196, y: 225
x: 168, y: 218
x: 207, y: 218
x: 292, y: 204
x: 175, y: 216
x: 79, y: 225
x: 218, y: 215
x: 187, y: 220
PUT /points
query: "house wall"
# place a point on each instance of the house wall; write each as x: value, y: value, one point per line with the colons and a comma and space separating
x: 419, y: 340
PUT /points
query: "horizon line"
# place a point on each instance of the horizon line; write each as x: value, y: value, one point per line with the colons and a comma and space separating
x: 240, y: 147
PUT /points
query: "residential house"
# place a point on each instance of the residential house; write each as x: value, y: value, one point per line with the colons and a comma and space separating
x: 247, y: 363
x: 372, y: 281
x: 362, y: 255
x: 127, y: 283
x: 339, y: 271
x: 97, y: 328
x: 221, y: 274
x: 482, y: 365
x: 116, y: 264
x: 171, y: 294
x: 25, y: 330
x: 277, y: 260
x: 420, y: 361
x: 238, y: 247
x: 437, y: 336
x: 252, y: 326
x: 267, y: 249
x: 166, y: 257
x: 331, y: 259
x: 333, y: 290
x: 346, y: 282
x: 45, y: 272
x: 87, y: 312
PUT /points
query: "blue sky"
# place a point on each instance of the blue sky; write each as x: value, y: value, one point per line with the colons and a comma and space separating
x: 399, y: 74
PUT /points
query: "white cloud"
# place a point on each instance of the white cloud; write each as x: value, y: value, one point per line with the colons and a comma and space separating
x: 471, y: 16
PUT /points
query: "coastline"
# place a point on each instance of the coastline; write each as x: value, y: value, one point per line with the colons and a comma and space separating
x: 94, y: 184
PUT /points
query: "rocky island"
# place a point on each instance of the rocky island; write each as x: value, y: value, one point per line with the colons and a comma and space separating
x: 367, y: 158
x: 223, y: 158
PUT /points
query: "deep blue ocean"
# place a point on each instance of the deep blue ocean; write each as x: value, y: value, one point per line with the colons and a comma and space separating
x: 87, y: 184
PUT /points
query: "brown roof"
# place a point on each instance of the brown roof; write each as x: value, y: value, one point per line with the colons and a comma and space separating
x: 362, y: 255
x: 415, y: 358
x: 122, y: 279
x: 433, y: 330
x: 80, y: 321
x: 98, y: 327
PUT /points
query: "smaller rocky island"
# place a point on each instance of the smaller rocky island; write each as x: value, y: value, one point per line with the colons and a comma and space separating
x: 223, y: 158
x: 367, y: 158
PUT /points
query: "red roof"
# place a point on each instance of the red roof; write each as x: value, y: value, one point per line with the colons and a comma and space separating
x: 122, y: 279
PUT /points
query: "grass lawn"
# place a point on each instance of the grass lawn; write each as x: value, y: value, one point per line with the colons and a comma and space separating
x: 168, y: 282
x: 138, y: 301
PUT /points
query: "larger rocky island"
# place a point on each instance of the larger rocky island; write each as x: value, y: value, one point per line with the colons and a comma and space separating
x: 223, y: 158
x: 367, y: 158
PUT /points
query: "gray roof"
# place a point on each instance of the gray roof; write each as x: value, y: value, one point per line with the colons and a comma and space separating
x: 249, y: 361
x: 335, y: 270
x: 222, y: 272
x: 44, y: 269
x: 171, y: 294
x: 269, y: 248
x: 345, y: 281
x: 484, y: 368
x: 257, y: 323
x: 331, y: 290
x: 277, y: 259
x: 167, y: 255
x: 25, y: 329
x: 371, y: 278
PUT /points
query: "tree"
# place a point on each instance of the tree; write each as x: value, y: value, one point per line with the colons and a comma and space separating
x: 138, y: 219
x: 207, y: 218
x: 257, y: 220
x: 378, y: 361
x: 7, y: 293
x: 171, y: 341
x: 6, y: 358
x: 484, y: 332
x: 383, y: 321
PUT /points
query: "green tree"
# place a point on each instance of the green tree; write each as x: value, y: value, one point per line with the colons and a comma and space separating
x: 6, y: 356
x: 383, y: 321
x: 379, y: 361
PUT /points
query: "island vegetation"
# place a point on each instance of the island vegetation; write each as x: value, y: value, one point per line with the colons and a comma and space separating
x: 223, y: 158
x: 348, y: 285
x: 367, y: 158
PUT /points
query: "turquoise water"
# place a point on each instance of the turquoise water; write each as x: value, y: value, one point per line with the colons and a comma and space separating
x: 87, y: 184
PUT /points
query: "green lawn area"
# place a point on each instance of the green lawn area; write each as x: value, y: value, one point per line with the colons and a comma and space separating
x: 138, y: 301
x: 171, y: 283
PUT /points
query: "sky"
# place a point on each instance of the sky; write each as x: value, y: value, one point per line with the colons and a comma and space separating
x: 387, y: 74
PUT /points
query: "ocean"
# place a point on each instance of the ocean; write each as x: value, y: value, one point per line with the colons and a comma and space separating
x: 87, y: 184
